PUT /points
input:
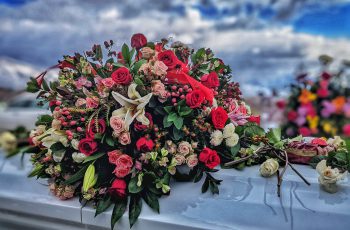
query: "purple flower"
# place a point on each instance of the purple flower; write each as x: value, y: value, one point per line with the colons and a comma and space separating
x: 328, y: 109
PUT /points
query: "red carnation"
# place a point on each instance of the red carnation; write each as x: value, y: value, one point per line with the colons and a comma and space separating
x: 118, y: 188
x: 255, y: 119
x: 346, y: 130
x: 140, y: 127
x: 87, y: 146
x: 122, y: 76
x: 92, y: 128
x: 169, y: 59
x: 209, y: 157
x: 195, y: 98
x: 138, y: 41
x: 219, y: 117
x: 144, y: 145
x: 210, y: 80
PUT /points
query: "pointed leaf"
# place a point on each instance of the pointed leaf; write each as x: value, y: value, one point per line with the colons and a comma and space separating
x: 152, y: 200
x: 135, y: 207
x: 103, y: 205
x: 118, y: 211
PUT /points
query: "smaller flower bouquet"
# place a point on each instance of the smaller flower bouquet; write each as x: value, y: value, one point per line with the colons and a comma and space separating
x: 321, y: 107
x: 14, y: 142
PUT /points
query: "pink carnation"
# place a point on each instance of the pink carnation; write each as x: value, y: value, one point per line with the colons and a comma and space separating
x: 108, y: 82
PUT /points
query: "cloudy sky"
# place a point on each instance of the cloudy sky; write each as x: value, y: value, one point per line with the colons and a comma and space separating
x: 264, y: 41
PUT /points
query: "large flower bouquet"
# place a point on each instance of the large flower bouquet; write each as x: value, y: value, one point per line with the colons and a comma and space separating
x: 120, y: 130
x: 320, y: 107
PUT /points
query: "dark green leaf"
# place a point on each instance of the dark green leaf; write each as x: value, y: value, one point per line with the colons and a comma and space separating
x: 198, y: 176
x: 168, y: 109
x: 315, y: 160
x: 93, y: 157
x: 234, y: 150
x: 132, y: 187
x: 110, y: 141
x: 205, y: 185
x: 45, y: 85
x: 152, y: 200
x: 118, y: 211
x: 103, y: 205
x: 135, y: 207
x: 184, y: 111
x: 78, y: 176
x: 172, y: 117
x: 166, y: 123
x: 57, y: 147
x: 177, y: 134
x: 36, y: 171
x: 213, y: 187
x: 254, y: 130
x: 179, y: 122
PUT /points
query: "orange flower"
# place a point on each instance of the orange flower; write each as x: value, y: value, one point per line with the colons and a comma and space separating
x: 339, y: 103
x: 306, y: 96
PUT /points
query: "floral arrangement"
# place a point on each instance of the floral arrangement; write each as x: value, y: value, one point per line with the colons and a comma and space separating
x: 320, y: 107
x: 123, y: 128
x: 14, y: 142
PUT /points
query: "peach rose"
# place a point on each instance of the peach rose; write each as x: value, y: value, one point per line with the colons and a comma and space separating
x: 124, y: 138
x: 92, y: 102
x: 157, y: 87
x: 147, y: 52
x: 117, y: 124
x: 160, y: 68
x: 180, y: 159
x: 192, y: 160
x: 184, y: 148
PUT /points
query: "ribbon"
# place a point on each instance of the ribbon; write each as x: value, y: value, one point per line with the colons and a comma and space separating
x: 183, y: 78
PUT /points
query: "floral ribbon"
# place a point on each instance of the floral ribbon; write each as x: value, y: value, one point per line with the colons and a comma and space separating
x: 183, y: 78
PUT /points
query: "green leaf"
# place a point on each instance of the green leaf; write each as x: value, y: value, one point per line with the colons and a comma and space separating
x: 89, y: 178
x: 98, y: 51
x: 274, y: 135
x: 315, y: 160
x: 32, y: 86
x: 118, y: 211
x: 152, y: 200
x: 138, y: 81
x: 57, y: 147
x: 172, y: 117
x: 198, y: 176
x: 179, y: 122
x: 126, y: 53
x: 234, y: 150
x: 137, y: 66
x: 185, y: 110
x: 103, y: 205
x: 132, y: 187
x: 213, y: 187
x: 37, y: 170
x: 135, y: 207
x: 78, y: 176
x: 168, y: 109
x: 177, y: 134
x: 205, y: 185
x: 254, y: 130
x: 166, y: 123
x: 93, y: 157
x: 110, y: 141
x: 45, y: 85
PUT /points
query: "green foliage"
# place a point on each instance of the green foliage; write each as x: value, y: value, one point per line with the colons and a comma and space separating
x: 135, y: 207
x: 151, y: 200
x: 90, y: 178
x: 118, y: 211
x: 103, y: 205
x: 93, y: 157
x: 32, y: 86
x: 77, y: 176
x: 132, y: 187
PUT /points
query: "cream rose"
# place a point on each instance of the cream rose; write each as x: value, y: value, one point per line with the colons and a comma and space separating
x: 180, y: 159
x: 147, y: 52
x: 328, y: 176
x: 229, y: 130
x: 8, y: 142
x: 56, y: 124
x: 232, y: 141
x: 336, y: 142
x: 192, y: 160
x: 216, y: 138
x: 184, y: 148
x: 269, y: 167
x: 75, y: 144
x: 117, y: 124
x: 159, y: 68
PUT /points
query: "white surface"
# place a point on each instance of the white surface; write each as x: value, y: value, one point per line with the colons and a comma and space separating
x: 246, y: 201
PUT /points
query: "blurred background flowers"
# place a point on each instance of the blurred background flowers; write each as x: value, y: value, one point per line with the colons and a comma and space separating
x: 266, y: 42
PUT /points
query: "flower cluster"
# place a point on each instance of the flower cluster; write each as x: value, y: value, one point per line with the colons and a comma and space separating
x: 121, y: 128
x: 319, y: 108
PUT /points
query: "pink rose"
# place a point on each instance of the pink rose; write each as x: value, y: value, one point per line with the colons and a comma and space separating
x: 160, y: 68
x: 92, y: 102
x: 121, y: 172
x: 157, y: 87
x: 124, y: 138
x: 180, y: 159
x: 117, y: 124
x: 124, y: 161
x: 184, y: 148
x: 113, y: 156
x: 192, y: 160
x: 80, y: 102
x: 346, y: 130
x: 108, y: 82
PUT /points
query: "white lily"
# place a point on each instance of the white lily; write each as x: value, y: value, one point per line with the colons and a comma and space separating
x: 132, y: 107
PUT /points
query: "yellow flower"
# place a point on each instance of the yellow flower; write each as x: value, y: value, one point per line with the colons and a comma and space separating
x: 313, y: 121
x: 8, y: 142
x: 327, y: 127
x: 306, y: 96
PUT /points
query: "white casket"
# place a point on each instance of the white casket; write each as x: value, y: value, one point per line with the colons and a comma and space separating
x: 246, y: 201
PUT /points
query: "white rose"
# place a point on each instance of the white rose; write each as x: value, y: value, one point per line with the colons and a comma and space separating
x: 216, y: 138
x: 75, y: 144
x: 336, y: 142
x: 8, y: 141
x: 180, y: 159
x: 233, y: 140
x: 184, y: 148
x: 328, y: 176
x: 78, y: 157
x: 56, y: 124
x: 269, y: 167
x: 229, y: 130
x: 192, y: 160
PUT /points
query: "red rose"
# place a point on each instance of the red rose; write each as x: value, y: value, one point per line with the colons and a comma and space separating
x: 326, y: 76
x: 209, y: 157
x: 219, y: 117
x: 92, y: 128
x: 120, y: 58
x: 87, y: 146
x: 281, y: 104
x: 210, y: 80
x: 169, y: 59
x: 118, y: 188
x: 292, y: 115
x: 304, y: 131
x: 195, y: 98
x: 319, y: 141
x: 255, y: 119
x: 138, y: 41
x: 122, y: 76
x: 144, y: 145
x: 140, y: 127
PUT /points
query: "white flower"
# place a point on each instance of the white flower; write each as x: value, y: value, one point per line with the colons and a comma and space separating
x: 269, y: 167
x: 328, y: 176
x: 233, y: 140
x: 216, y: 138
x: 229, y: 130
x: 78, y: 157
x: 56, y: 124
x: 8, y: 142
x: 192, y: 160
x: 75, y: 144
x: 52, y: 136
x: 57, y: 155
x: 184, y: 148
x: 336, y: 142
